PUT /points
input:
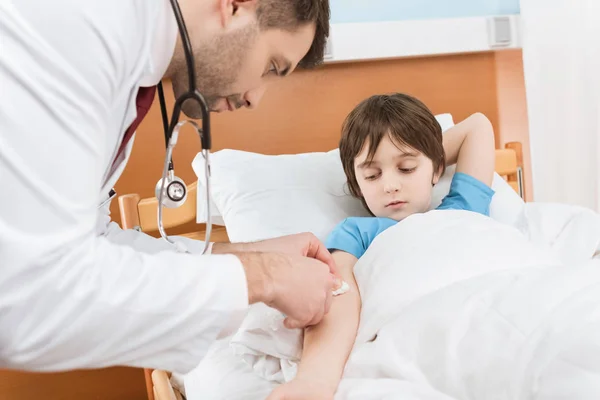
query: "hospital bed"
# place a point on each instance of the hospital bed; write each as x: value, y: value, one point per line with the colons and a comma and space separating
x: 138, y: 213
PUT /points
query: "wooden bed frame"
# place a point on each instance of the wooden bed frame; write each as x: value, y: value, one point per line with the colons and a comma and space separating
x: 140, y: 214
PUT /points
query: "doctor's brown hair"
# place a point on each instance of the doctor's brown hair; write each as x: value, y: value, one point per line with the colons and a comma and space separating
x: 290, y: 15
x: 405, y: 119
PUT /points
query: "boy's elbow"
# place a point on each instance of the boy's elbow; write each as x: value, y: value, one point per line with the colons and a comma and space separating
x: 482, y: 123
x: 483, y: 130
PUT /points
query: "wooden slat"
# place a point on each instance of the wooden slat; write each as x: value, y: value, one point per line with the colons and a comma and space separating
x: 517, y: 147
x: 218, y: 234
x: 149, y: 385
x: 163, y: 390
x: 506, y: 162
x: 128, y: 208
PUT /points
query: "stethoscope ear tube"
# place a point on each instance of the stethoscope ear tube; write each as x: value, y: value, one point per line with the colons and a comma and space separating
x: 172, y: 133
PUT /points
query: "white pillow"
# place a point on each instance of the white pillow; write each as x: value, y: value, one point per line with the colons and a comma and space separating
x: 260, y: 196
x: 445, y: 120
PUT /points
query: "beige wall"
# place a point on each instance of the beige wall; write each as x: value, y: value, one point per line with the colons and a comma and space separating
x: 512, y: 107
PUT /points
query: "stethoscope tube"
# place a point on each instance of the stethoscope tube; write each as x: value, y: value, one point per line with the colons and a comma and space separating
x: 172, y: 130
x: 192, y: 93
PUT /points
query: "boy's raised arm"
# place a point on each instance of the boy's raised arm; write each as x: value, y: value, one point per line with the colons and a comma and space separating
x: 470, y: 144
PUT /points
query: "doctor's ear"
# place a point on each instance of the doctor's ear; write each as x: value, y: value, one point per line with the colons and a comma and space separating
x: 235, y: 8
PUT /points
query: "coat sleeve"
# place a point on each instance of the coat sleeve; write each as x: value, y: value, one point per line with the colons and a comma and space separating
x: 68, y: 298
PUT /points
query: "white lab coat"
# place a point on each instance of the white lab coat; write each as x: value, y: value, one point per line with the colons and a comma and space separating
x: 76, y: 291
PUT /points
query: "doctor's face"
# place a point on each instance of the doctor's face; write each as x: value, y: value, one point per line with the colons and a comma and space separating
x: 234, y: 67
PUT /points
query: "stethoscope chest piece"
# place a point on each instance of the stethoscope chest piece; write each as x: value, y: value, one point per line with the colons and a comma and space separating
x: 174, y: 191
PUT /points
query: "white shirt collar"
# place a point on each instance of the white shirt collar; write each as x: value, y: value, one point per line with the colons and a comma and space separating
x: 163, y: 45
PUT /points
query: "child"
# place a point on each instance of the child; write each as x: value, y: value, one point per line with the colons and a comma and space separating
x: 393, y: 154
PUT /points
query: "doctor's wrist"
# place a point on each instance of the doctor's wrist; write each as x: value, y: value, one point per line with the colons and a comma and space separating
x: 229, y: 248
x: 256, y: 267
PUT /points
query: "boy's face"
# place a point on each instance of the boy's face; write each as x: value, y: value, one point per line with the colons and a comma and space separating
x: 397, y: 182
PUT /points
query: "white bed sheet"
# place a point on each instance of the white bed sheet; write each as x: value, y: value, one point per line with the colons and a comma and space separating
x: 515, y: 315
x: 224, y: 376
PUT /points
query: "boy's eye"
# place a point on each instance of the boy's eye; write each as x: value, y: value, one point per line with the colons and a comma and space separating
x: 408, y: 170
x: 371, y: 177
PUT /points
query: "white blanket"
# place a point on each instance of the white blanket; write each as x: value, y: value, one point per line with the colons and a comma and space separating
x: 456, y: 305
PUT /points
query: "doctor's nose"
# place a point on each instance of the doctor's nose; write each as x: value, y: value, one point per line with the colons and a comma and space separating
x: 254, y: 96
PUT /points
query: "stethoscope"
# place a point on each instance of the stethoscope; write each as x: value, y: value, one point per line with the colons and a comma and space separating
x: 170, y: 190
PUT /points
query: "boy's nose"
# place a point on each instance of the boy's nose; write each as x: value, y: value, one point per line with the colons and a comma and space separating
x: 391, y: 187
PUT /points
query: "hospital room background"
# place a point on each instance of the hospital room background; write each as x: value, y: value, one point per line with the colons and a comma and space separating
x: 530, y: 66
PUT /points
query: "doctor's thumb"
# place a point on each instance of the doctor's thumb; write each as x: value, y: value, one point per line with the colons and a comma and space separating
x: 336, y: 283
x: 290, y: 323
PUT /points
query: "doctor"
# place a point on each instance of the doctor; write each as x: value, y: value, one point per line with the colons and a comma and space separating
x: 76, y: 78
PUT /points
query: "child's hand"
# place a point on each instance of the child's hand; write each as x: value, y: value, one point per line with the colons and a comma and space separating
x: 303, y: 389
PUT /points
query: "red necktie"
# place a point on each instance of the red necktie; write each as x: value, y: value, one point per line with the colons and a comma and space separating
x: 143, y: 102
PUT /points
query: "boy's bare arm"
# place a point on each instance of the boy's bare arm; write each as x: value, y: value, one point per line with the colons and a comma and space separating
x: 470, y: 144
x: 328, y: 344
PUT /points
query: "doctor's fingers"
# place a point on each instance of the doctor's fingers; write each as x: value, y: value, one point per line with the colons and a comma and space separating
x: 316, y: 249
x: 328, y: 300
x: 291, y: 323
x: 318, y: 317
x: 310, y: 320
x: 312, y: 316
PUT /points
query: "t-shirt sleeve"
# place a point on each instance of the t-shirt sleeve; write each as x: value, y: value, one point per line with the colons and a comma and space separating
x: 346, y: 237
x: 468, y: 193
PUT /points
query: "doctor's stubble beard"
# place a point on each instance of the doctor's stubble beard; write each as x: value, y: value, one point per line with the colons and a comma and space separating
x: 218, y: 64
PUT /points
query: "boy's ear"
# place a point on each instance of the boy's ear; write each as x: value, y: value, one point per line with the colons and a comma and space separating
x: 231, y: 8
x: 437, y: 176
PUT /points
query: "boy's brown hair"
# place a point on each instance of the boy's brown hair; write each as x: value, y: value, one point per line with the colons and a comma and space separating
x: 405, y: 119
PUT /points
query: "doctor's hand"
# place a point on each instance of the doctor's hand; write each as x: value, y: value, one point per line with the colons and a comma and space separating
x: 300, y: 287
x: 301, y: 244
